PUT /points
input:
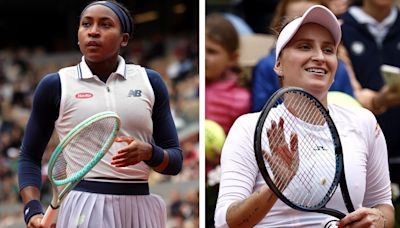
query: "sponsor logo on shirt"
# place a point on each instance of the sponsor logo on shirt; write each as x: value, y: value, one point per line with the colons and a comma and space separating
x: 83, y: 95
x: 135, y: 93
x: 319, y: 148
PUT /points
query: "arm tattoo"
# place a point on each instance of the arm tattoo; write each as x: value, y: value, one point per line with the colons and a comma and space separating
x: 246, y: 217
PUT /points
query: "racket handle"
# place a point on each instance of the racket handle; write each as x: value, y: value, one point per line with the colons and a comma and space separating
x: 49, y: 217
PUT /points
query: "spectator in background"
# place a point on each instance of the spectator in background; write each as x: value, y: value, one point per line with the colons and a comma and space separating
x: 258, y: 13
x: 264, y: 79
x: 240, y: 25
x: 338, y: 7
x: 371, y: 35
x: 225, y: 98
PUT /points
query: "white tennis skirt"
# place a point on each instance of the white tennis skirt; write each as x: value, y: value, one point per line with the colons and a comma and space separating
x: 92, y: 210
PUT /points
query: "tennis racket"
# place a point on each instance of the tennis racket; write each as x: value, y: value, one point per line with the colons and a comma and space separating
x: 78, y: 152
x: 299, y: 153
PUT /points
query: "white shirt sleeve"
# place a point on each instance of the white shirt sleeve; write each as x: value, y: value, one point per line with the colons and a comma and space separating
x: 378, y: 190
x: 238, y: 167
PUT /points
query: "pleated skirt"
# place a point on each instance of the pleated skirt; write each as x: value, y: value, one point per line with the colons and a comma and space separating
x: 92, y: 210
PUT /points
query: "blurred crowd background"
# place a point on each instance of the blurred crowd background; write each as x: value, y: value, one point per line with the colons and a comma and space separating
x: 40, y: 38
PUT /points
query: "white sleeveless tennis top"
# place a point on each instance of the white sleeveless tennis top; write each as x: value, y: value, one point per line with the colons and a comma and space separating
x: 127, y: 92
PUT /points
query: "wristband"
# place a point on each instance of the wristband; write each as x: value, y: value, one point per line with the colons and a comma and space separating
x: 32, y: 208
x: 157, y: 157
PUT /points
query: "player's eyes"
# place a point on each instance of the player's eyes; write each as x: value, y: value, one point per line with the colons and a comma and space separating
x: 106, y: 24
x: 85, y: 24
x: 304, y: 46
x: 329, y: 50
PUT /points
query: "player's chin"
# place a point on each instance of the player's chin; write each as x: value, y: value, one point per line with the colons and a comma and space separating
x: 318, y: 86
x: 94, y: 57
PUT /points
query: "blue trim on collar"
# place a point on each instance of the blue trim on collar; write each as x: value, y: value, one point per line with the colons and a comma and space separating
x: 79, y: 69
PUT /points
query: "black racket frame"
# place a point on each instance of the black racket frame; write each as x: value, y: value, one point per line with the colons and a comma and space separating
x: 339, y: 174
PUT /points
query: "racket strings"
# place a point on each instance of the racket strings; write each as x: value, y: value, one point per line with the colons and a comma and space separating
x: 282, y: 169
x: 297, y: 105
x: 306, y: 178
x: 82, y: 148
x: 309, y: 176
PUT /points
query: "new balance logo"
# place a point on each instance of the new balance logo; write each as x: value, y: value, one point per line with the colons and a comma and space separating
x: 135, y: 93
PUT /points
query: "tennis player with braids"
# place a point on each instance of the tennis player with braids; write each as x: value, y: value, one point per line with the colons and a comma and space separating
x: 116, y: 192
x: 306, y: 57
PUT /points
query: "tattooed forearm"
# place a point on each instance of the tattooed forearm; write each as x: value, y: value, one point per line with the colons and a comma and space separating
x: 246, y: 221
x: 251, y: 213
x: 236, y: 209
x: 248, y: 212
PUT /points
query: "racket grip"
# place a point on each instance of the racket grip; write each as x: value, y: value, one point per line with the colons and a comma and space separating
x: 49, y: 217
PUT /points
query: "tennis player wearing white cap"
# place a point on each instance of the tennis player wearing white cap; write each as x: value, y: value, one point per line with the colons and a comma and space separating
x: 306, y: 54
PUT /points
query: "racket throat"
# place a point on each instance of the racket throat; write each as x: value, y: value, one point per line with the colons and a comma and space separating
x: 54, y: 207
x: 332, y: 212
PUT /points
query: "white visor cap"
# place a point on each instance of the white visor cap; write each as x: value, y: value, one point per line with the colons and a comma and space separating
x: 316, y: 14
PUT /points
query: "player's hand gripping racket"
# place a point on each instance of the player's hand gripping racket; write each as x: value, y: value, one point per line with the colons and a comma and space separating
x: 79, y: 151
x: 299, y: 153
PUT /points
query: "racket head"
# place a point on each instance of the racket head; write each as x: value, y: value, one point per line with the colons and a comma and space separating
x: 79, y: 151
x: 309, y: 181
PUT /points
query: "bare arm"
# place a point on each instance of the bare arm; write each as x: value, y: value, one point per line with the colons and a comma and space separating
x: 387, y: 213
x: 30, y: 193
x: 137, y: 151
x: 250, y: 211
x: 380, y: 216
